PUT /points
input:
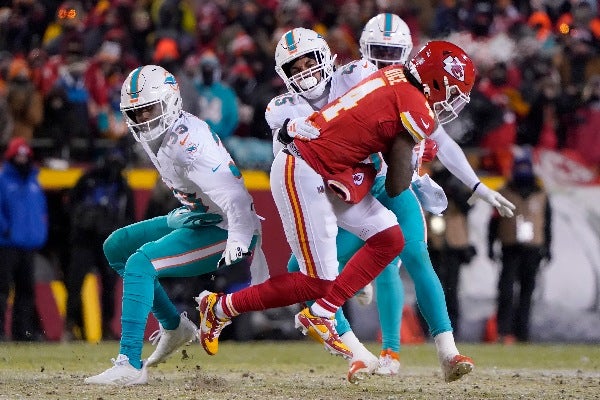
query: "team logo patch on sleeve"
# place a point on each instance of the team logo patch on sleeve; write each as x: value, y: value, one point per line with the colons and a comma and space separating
x: 192, y: 148
x: 358, y: 178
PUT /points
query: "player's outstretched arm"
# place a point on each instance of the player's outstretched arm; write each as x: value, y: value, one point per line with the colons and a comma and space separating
x: 453, y: 158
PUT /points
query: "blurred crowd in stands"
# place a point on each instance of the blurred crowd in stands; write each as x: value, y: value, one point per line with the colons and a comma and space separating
x: 62, y: 65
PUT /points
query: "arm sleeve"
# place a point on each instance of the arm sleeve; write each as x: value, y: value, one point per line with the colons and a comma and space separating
x: 275, y: 124
x: 453, y: 158
x: 277, y: 145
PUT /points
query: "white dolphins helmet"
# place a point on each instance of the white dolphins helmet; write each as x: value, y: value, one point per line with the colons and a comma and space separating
x: 386, y: 40
x: 155, y: 89
x: 301, y: 42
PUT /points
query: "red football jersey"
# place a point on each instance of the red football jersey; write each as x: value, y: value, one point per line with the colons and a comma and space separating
x: 366, y: 120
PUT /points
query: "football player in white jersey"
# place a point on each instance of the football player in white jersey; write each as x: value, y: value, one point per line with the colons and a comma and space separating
x: 301, y: 100
x: 293, y: 107
x: 216, y: 226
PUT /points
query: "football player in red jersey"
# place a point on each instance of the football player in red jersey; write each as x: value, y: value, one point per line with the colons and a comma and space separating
x: 322, y: 183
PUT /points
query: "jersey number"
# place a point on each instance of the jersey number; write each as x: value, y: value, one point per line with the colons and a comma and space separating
x: 351, y: 98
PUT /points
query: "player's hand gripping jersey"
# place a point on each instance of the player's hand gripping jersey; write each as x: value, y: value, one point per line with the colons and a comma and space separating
x: 292, y: 105
x: 365, y: 120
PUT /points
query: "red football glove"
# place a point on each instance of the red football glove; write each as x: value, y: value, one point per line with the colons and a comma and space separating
x: 429, y: 151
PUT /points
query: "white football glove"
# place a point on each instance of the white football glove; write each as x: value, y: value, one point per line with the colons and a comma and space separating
x: 234, y: 252
x: 301, y: 128
x: 504, y: 207
x: 365, y: 295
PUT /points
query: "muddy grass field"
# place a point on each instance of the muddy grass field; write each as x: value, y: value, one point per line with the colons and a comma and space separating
x: 300, y: 370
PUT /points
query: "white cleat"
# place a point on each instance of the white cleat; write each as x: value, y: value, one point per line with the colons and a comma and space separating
x: 167, y: 341
x: 363, y: 362
x: 361, y: 367
x: 120, y: 374
x: 389, y: 363
x: 456, y: 367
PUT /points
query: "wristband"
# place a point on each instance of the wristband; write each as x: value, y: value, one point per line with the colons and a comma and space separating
x: 476, y: 185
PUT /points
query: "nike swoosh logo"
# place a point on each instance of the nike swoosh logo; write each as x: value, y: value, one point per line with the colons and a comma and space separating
x: 216, y: 168
x: 425, y: 124
x: 182, y: 142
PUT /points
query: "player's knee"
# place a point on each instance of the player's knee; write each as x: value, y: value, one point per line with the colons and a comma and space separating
x: 113, y: 247
x: 389, y: 241
x: 139, y: 263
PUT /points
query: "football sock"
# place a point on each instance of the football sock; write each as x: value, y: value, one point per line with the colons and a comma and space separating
x: 444, y: 343
x: 163, y: 308
x: 377, y: 252
x: 342, y: 325
x: 428, y: 289
x: 390, y: 299
x: 278, y: 291
x: 138, y: 296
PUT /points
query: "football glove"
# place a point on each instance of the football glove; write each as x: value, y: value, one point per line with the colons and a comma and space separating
x: 300, y: 128
x: 182, y: 217
x: 198, y: 219
x: 234, y: 252
x: 424, y: 151
x: 429, y: 151
x: 495, y: 199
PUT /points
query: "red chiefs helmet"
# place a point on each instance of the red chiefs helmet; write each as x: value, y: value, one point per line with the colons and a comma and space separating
x: 447, y: 74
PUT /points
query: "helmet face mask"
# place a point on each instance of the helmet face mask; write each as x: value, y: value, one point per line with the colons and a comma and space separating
x: 386, y: 40
x: 316, y: 70
x: 150, y: 102
x: 447, y: 75
x: 147, y: 118
x: 308, y: 78
x: 447, y: 110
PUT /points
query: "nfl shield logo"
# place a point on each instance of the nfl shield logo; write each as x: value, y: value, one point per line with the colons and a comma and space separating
x: 358, y: 178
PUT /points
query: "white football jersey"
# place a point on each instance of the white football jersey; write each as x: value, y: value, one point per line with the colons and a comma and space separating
x: 292, y: 105
x: 195, y: 165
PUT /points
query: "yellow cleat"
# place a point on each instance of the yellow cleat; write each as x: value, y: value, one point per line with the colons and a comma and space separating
x: 322, y: 330
x: 210, y: 325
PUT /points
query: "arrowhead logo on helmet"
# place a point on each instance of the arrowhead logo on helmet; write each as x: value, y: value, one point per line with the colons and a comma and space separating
x: 454, y: 67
